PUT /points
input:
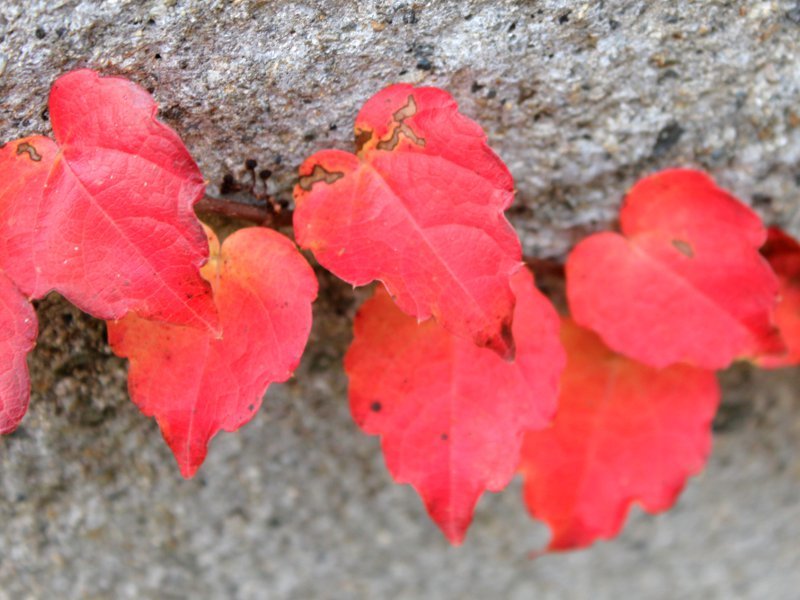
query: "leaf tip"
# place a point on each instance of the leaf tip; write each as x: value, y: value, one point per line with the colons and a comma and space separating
x: 455, y: 532
x: 188, y: 471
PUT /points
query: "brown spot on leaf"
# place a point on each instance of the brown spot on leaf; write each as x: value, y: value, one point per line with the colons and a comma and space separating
x: 409, y: 110
x: 30, y: 149
x: 507, y: 335
x: 318, y: 173
x: 684, y: 248
x: 362, y: 138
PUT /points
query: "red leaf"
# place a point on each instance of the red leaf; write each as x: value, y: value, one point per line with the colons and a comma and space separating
x: 783, y: 254
x: 105, y: 216
x: 420, y: 208
x: 196, y: 384
x: 686, y: 282
x: 623, y: 433
x: 17, y: 338
x: 451, y: 414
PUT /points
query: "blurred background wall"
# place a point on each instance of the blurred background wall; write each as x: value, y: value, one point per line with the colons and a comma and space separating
x: 580, y: 99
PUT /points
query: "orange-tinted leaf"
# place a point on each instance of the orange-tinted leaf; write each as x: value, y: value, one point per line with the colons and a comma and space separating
x: 105, y: 215
x: 623, y: 433
x: 420, y: 208
x: 685, y: 281
x: 452, y: 414
x: 783, y: 254
x: 17, y: 338
x: 196, y: 384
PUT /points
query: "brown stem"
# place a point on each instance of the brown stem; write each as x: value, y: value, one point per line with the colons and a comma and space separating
x: 547, y: 267
x: 233, y: 209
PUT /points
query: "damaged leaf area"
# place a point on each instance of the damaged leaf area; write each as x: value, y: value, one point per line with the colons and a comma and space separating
x: 451, y: 415
x: 104, y: 214
x: 30, y: 149
x: 420, y: 208
x: 683, y: 282
x: 318, y: 174
x: 195, y: 383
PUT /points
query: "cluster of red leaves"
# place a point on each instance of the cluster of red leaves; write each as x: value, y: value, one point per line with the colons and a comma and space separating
x: 458, y: 362
x: 682, y: 291
x: 420, y: 207
x: 104, y: 215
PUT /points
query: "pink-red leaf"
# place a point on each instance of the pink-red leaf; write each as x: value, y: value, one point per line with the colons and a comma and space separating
x: 623, y: 433
x: 451, y: 414
x: 104, y: 216
x: 685, y: 281
x: 420, y: 208
x: 17, y: 338
x: 783, y: 254
x: 196, y: 384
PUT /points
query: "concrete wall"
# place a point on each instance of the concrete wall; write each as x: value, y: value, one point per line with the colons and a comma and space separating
x: 580, y: 99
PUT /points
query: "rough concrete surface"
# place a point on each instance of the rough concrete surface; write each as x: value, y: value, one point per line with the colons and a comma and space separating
x: 580, y: 99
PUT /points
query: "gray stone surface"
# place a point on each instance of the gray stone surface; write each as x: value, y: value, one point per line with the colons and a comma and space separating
x: 580, y: 99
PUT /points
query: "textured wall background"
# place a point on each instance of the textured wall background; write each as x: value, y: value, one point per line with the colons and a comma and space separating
x: 580, y: 99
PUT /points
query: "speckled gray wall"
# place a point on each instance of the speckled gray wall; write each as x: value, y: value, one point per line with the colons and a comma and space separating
x: 580, y: 99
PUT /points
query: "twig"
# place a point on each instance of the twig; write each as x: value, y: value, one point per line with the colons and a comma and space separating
x: 243, y: 211
x: 545, y: 267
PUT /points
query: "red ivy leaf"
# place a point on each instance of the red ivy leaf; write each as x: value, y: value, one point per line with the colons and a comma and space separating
x: 451, y: 414
x: 623, y: 433
x: 685, y: 281
x: 420, y: 208
x: 105, y: 215
x: 196, y: 384
x: 26, y: 165
x: 783, y: 254
x: 17, y: 338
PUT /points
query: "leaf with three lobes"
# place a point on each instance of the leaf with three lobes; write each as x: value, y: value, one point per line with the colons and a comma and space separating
x: 623, y: 433
x: 683, y: 283
x: 196, y: 384
x: 17, y: 338
x: 104, y: 214
x: 420, y: 208
x: 783, y: 254
x: 451, y: 415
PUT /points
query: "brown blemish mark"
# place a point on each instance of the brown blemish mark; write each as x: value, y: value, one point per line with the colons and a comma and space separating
x: 683, y: 247
x: 409, y: 110
x: 507, y: 335
x: 318, y: 173
x: 362, y: 138
x: 376, y: 406
x: 30, y: 149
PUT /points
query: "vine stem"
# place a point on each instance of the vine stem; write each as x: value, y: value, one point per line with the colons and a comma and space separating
x: 233, y: 209
x: 268, y: 215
